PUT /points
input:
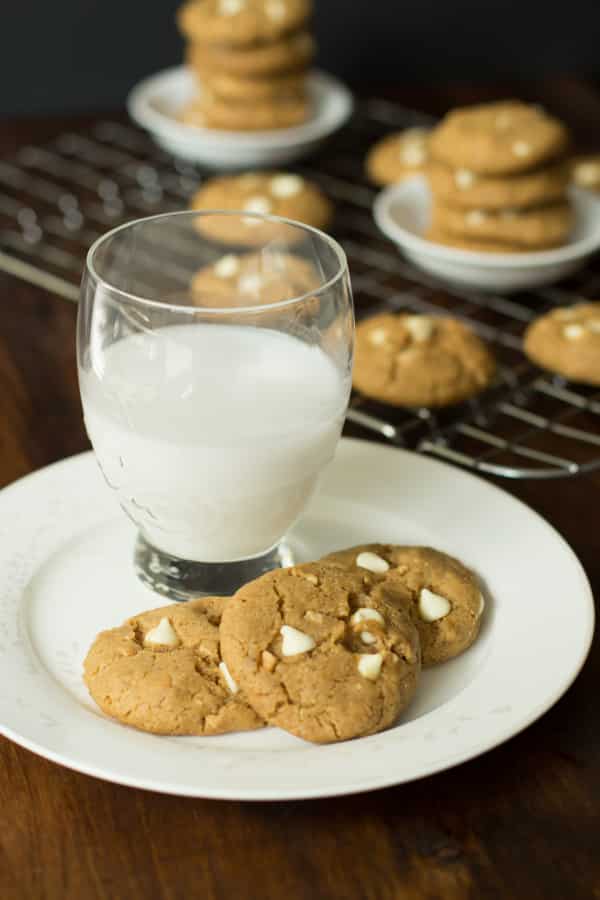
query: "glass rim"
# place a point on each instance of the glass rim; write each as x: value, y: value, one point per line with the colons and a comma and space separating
x: 222, y: 311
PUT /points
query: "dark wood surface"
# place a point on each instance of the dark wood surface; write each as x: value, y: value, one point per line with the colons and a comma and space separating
x: 523, y: 821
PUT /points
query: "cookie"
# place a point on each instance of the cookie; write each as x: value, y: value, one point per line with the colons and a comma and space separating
x: 498, y: 138
x: 253, y: 278
x: 322, y: 652
x: 243, y: 89
x: 241, y: 22
x: 162, y: 672
x: 416, y: 360
x: 398, y: 156
x: 438, y: 236
x: 274, y: 193
x: 444, y: 597
x: 463, y: 188
x: 209, y: 111
x: 534, y: 229
x: 290, y: 54
x: 567, y: 341
x: 585, y: 172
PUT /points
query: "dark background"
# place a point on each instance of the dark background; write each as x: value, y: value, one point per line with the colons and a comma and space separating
x: 84, y: 55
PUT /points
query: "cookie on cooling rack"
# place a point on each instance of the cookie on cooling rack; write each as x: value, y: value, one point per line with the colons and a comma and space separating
x: 418, y: 360
x: 567, y: 341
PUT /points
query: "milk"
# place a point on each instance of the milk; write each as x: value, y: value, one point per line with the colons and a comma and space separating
x: 213, y: 436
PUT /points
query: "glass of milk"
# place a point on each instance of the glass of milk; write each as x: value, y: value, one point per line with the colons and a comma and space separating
x: 215, y: 355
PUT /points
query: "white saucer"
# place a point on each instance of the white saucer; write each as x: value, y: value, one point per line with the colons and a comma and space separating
x: 66, y: 573
x: 156, y: 101
x: 402, y: 212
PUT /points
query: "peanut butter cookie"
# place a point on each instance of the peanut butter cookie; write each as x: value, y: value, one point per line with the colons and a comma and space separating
x: 249, y: 279
x: 498, y: 138
x: 322, y: 652
x: 291, y: 53
x: 209, y: 111
x: 463, y: 188
x: 567, y: 341
x: 276, y: 193
x: 533, y: 229
x: 416, y: 360
x: 162, y: 672
x: 445, y: 600
x: 241, y: 22
x: 398, y: 156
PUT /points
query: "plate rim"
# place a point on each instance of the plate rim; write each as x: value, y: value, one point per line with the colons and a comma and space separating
x: 535, y: 259
x: 373, y: 782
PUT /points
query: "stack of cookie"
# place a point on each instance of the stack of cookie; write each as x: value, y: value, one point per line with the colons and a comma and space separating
x: 499, y: 180
x: 328, y: 650
x: 251, y: 58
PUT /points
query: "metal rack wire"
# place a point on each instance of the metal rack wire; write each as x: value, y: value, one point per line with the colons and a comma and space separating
x: 56, y: 199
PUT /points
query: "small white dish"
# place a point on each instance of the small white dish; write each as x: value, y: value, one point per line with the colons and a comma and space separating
x: 156, y: 102
x: 402, y: 212
x: 66, y: 573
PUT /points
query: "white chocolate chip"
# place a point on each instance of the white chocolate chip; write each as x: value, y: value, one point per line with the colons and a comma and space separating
x: 369, y: 665
x: 481, y: 605
x: 521, y: 148
x: 366, y: 614
x: 372, y: 562
x: 162, y: 635
x: 464, y: 178
x: 230, y: 7
x: 227, y: 266
x: 413, y: 153
x: 378, y: 336
x: 594, y: 326
x: 587, y: 173
x: 420, y: 327
x: 475, y: 217
x: 286, y: 185
x: 573, y: 332
x: 231, y: 684
x: 433, y: 606
x: 295, y: 641
x: 367, y: 638
x: 259, y: 205
x: 275, y: 9
x: 250, y: 283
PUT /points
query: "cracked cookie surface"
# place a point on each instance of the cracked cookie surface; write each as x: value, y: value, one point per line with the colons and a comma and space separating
x: 322, y: 652
x: 417, y: 360
x: 162, y: 672
x: 444, y: 597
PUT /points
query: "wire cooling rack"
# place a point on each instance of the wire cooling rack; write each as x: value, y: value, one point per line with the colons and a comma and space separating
x: 56, y: 199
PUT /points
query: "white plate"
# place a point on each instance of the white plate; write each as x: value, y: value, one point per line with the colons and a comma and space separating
x: 155, y: 103
x: 402, y: 212
x: 65, y: 559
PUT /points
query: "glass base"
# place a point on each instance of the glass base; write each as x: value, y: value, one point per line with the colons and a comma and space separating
x: 180, y: 579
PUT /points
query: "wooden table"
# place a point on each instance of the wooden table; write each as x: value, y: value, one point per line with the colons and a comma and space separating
x: 523, y: 821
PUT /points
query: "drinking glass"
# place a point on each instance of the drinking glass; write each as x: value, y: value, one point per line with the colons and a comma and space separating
x: 214, y: 353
